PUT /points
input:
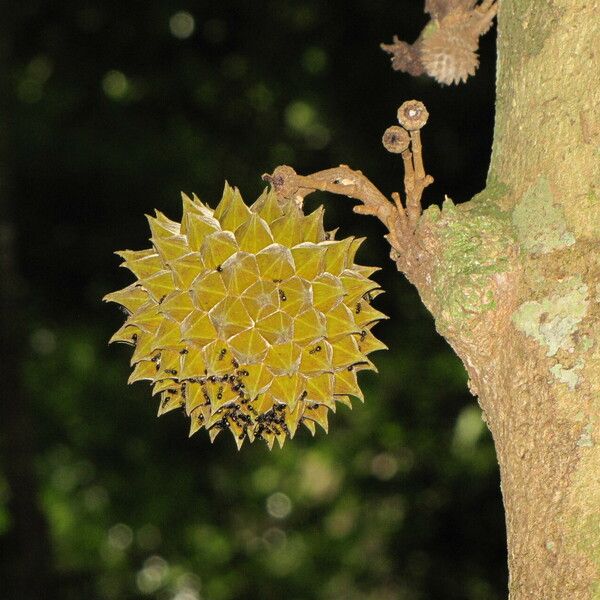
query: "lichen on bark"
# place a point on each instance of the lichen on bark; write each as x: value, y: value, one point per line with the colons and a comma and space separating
x: 473, y: 242
x: 553, y: 320
x: 540, y: 224
x: 570, y: 377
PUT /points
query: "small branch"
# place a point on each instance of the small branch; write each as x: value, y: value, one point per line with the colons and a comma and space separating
x: 401, y: 212
x: 413, y: 115
x: 400, y: 220
x: 399, y: 229
x: 340, y: 180
x: 417, y: 150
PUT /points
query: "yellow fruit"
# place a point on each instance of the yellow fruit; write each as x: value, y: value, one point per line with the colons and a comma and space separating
x: 252, y: 319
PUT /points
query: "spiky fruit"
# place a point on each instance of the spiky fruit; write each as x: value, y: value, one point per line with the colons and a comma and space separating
x: 252, y: 319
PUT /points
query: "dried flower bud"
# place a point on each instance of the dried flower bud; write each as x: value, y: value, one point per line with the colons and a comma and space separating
x: 447, y: 47
x: 412, y: 115
x: 395, y: 139
x: 281, y: 179
x: 405, y: 57
x: 450, y: 56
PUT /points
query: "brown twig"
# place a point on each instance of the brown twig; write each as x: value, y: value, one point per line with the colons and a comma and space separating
x: 339, y: 180
x: 400, y: 220
x: 412, y: 116
x: 399, y: 228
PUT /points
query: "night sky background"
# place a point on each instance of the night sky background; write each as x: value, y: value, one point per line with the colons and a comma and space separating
x: 107, y: 111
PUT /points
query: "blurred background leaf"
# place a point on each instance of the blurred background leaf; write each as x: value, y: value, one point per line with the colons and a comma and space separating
x: 109, y: 110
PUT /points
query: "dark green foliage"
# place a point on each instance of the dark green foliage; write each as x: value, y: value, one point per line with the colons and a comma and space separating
x: 113, y: 115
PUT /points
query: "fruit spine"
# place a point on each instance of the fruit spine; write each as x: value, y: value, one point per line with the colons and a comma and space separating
x: 252, y: 319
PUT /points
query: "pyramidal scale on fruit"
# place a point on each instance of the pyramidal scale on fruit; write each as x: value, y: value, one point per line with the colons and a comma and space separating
x: 251, y: 319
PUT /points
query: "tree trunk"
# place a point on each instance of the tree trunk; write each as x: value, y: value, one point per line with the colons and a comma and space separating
x: 513, y: 280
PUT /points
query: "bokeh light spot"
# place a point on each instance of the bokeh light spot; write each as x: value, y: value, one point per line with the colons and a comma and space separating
x: 188, y: 586
x: 182, y: 25
x: 120, y: 536
x: 384, y: 466
x: 468, y: 428
x: 186, y: 594
x: 31, y: 87
x: 115, y: 85
x: 153, y: 575
x: 319, y: 481
x: 279, y: 505
x: 299, y: 115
